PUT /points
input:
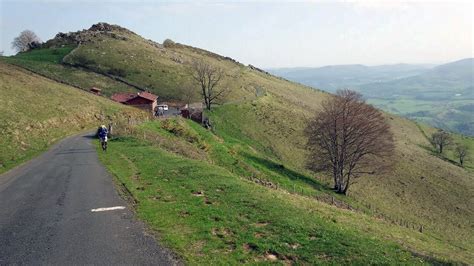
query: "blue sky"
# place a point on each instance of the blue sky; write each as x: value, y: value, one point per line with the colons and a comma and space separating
x: 266, y: 33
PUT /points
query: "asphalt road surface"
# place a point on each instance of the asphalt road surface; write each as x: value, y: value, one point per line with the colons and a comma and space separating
x: 50, y: 213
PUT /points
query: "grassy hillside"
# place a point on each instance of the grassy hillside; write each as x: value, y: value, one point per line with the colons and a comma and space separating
x: 165, y: 69
x: 263, y: 120
x: 48, y: 62
x: 422, y: 189
x: 35, y: 112
x: 215, y: 202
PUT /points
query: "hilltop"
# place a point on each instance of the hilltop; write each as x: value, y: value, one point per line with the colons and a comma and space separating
x: 258, y: 132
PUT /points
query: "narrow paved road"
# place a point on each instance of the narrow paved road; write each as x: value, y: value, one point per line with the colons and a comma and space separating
x: 46, y: 213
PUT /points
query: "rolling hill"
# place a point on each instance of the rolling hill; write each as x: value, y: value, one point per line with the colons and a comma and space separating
x: 331, y: 78
x: 443, y: 82
x: 257, y: 143
x: 442, y: 96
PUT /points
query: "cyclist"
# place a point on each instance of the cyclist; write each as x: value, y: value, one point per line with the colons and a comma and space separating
x: 103, y: 136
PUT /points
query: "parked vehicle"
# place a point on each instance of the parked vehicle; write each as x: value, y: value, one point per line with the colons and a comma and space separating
x: 164, y: 107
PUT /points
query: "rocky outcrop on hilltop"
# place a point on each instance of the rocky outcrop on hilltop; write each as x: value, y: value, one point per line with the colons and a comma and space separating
x: 105, y: 27
x: 89, y: 35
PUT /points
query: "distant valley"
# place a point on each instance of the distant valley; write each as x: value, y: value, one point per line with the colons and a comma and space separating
x: 442, y: 96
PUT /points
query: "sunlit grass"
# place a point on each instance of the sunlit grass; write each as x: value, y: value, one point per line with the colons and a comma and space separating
x: 36, y: 112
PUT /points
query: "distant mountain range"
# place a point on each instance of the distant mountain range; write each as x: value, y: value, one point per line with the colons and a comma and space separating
x: 441, y: 95
x: 345, y: 76
x: 448, y: 81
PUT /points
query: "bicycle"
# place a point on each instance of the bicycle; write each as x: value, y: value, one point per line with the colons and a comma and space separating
x: 103, y: 143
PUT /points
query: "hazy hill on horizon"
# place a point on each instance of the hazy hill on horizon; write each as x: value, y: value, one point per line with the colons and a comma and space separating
x: 442, y: 96
x: 333, y: 77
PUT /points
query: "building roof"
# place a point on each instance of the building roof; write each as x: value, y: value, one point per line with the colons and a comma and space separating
x: 123, y: 97
x: 147, y: 95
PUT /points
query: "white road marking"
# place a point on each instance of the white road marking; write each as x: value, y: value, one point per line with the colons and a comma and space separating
x: 108, y: 209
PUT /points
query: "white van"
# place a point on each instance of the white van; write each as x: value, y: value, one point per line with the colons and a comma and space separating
x: 163, y: 107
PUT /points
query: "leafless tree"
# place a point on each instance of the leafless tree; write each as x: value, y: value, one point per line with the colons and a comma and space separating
x: 349, y: 138
x: 462, y: 152
x: 1, y: 53
x: 26, y: 41
x: 440, y: 140
x: 208, y: 78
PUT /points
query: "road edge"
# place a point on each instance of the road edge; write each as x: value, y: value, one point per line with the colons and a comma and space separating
x: 124, y: 193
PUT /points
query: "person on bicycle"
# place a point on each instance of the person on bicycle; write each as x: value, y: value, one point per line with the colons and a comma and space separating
x: 103, y: 135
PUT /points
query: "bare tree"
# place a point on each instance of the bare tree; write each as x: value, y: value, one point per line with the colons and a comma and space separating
x: 440, y: 140
x: 1, y: 53
x: 462, y: 152
x: 26, y: 41
x: 348, y: 138
x: 208, y: 78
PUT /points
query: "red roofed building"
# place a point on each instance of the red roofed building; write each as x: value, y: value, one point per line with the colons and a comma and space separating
x: 143, y: 100
x: 123, y: 97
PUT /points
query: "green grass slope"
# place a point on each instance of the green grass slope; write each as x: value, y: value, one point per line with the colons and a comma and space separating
x: 421, y: 190
x: 165, y: 69
x: 214, y: 201
x: 35, y: 112
x: 48, y: 62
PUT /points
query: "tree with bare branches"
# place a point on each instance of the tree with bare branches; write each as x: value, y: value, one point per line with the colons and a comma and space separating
x: 208, y: 78
x: 27, y: 40
x: 440, y: 140
x: 348, y: 138
x: 461, y: 152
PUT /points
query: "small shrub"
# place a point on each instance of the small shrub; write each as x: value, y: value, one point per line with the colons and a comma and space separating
x: 83, y: 60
